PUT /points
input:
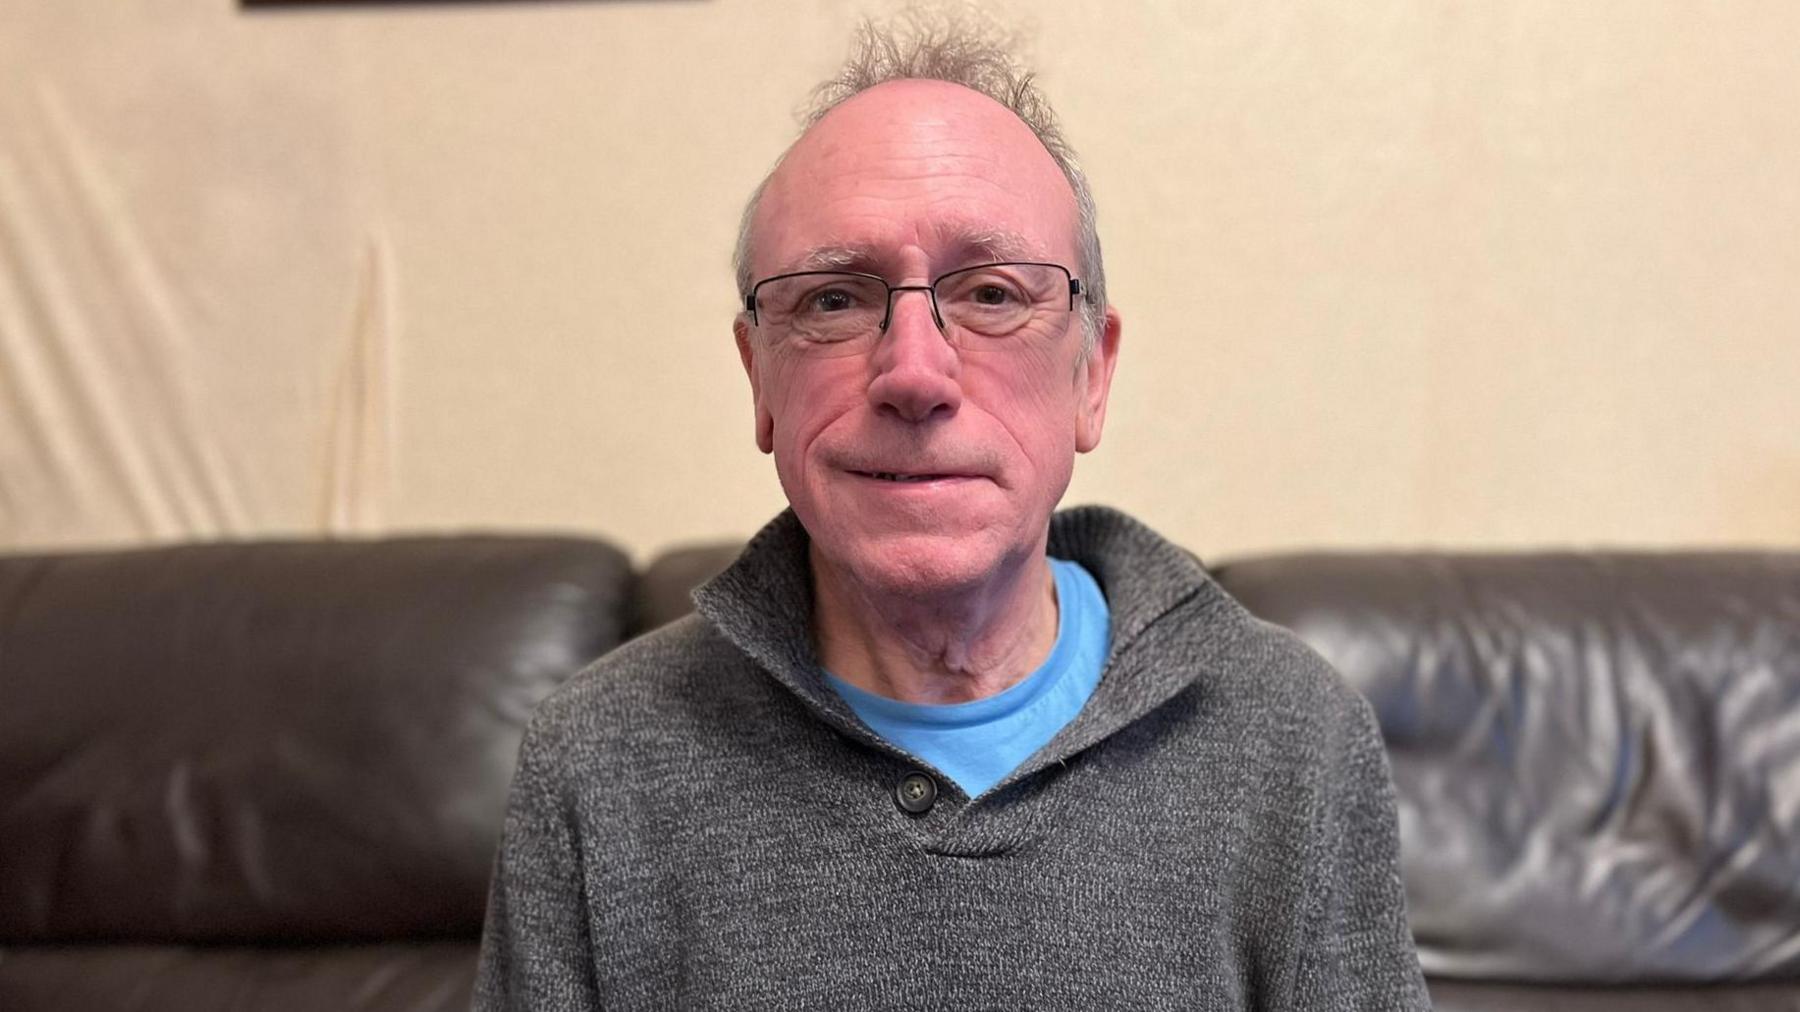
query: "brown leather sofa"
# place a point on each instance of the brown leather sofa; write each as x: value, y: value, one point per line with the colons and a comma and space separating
x: 270, y: 775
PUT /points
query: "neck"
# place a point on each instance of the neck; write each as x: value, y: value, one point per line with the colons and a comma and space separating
x: 951, y: 647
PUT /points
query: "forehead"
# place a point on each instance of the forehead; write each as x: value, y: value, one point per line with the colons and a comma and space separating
x: 919, y: 175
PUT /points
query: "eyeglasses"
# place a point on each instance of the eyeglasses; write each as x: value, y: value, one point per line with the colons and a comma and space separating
x: 842, y: 312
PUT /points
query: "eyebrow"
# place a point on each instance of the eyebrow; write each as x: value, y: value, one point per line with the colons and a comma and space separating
x: 834, y: 257
x: 972, y: 247
x: 999, y: 244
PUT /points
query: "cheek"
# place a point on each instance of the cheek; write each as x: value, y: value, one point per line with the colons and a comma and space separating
x: 1034, y: 395
x: 803, y: 395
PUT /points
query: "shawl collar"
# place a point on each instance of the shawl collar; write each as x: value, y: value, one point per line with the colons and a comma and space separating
x: 762, y: 603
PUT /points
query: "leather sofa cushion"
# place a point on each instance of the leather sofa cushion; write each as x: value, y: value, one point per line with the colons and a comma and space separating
x: 1597, y: 756
x: 432, y: 977
x: 1456, y: 996
x: 273, y: 742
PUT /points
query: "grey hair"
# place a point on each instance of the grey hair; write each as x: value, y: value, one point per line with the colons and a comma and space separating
x: 970, y: 50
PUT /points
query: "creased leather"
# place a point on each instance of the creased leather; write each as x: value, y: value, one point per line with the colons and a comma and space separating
x: 436, y: 977
x: 1597, y: 756
x: 1456, y: 996
x: 276, y: 742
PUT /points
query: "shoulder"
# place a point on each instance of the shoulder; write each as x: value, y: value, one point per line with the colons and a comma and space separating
x: 1295, y: 672
x: 1288, y: 736
x: 1317, y: 728
x: 667, y: 684
x: 1264, y: 676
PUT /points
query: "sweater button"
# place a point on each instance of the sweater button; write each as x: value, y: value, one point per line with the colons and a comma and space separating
x: 916, y: 793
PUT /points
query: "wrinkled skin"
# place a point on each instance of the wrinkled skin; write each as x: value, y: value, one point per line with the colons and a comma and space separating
x: 934, y: 590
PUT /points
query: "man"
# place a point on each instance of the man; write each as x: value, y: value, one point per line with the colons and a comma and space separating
x: 925, y: 746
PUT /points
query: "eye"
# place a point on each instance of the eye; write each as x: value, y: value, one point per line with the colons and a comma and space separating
x: 830, y: 300
x: 999, y: 300
x: 992, y: 295
x: 829, y: 308
x: 986, y: 289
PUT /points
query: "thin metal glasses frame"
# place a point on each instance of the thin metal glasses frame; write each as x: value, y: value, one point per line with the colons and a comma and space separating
x: 930, y: 290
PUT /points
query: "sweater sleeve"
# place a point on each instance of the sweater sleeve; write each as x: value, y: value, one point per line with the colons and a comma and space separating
x: 535, y: 950
x: 1356, y: 952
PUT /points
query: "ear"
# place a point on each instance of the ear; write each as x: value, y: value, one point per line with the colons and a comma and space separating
x: 1096, y: 382
x: 765, y: 422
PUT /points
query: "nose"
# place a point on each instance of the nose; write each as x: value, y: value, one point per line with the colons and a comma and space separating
x: 914, y: 369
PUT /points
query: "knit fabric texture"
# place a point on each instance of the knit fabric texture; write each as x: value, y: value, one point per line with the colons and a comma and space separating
x: 698, y: 821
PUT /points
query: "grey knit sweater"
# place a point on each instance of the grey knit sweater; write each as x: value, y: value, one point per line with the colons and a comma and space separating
x: 698, y: 821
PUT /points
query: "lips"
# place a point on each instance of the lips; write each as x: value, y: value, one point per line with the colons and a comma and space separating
x: 905, y: 477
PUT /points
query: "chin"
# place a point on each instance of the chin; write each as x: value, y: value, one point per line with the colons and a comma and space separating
x: 913, y: 563
x: 918, y: 565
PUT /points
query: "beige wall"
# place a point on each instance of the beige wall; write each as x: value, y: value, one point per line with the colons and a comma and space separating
x: 1392, y: 273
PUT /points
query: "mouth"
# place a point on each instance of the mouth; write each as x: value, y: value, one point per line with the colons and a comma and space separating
x: 905, y: 478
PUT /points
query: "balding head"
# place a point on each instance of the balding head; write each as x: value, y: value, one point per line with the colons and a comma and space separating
x: 977, y: 178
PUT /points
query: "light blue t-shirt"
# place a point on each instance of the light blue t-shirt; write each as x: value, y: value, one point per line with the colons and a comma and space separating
x: 980, y: 742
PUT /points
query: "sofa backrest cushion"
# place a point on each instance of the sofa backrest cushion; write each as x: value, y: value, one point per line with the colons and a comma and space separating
x: 666, y: 585
x: 276, y: 741
x: 1597, y: 756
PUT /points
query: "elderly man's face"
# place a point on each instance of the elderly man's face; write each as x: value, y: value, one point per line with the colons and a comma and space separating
x: 917, y: 178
